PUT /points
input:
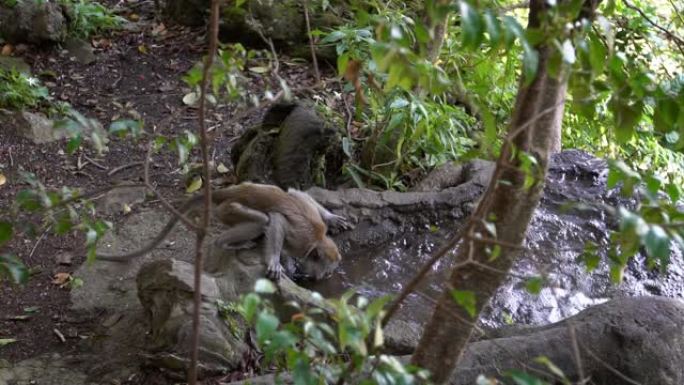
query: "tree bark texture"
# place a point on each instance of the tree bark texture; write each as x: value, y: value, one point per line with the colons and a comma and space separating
x: 535, y: 129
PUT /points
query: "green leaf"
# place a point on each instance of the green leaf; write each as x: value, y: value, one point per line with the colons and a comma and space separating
x: 568, y: 52
x: 264, y: 286
x: 493, y: 28
x: 627, y: 115
x: 13, y: 268
x: 124, y: 126
x: 665, y: 114
x: 266, y: 325
x: 342, y: 62
x: 523, y: 378
x: 530, y: 63
x: 657, y: 243
x: 471, y: 25
x: 512, y: 30
x: 467, y: 300
x: 73, y: 144
x: 28, y: 200
x: 534, y: 285
x: 6, y: 232
x: 552, y: 367
x: 590, y: 256
x: 597, y: 54
x: 7, y: 341
x: 332, y: 37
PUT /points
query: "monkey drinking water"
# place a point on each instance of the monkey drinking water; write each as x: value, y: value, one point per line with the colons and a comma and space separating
x: 290, y: 221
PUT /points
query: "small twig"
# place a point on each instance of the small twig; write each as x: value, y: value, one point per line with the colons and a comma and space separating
x: 79, y: 172
x: 164, y: 201
x: 95, y: 163
x: 679, y: 42
x: 123, y: 167
x: 59, y: 335
x: 575, y: 350
x: 35, y: 246
x: 9, y: 152
x: 305, y: 4
x: 608, y: 366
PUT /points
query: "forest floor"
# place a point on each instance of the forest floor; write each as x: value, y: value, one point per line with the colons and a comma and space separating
x: 137, y: 74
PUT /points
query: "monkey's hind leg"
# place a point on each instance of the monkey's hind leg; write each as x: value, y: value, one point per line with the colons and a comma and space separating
x: 245, y: 225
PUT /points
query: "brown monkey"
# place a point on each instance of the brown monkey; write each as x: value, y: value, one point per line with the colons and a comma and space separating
x: 292, y: 219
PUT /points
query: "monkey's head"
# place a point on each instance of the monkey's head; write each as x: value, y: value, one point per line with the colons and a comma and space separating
x: 327, y: 249
x: 321, y: 261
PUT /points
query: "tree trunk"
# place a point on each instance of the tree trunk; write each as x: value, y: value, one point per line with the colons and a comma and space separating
x: 535, y: 129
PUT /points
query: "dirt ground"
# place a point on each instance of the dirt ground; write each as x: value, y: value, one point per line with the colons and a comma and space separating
x: 136, y: 74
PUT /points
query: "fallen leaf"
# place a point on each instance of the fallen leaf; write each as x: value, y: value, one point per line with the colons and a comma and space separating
x: 133, y: 17
x: 259, y: 70
x: 7, y: 50
x: 22, y: 317
x: 159, y: 29
x: 61, y: 279
x: 222, y: 169
x: 126, y: 208
x: 7, y: 341
x: 142, y: 49
x: 3, y: 179
x: 195, y: 185
x: 191, y: 99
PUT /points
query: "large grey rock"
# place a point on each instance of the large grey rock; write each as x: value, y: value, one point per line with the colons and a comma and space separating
x: 81, y: 50
x: 40, y: 129
x: 32, y: 22
x: 10, y: 63
x: 33, y: 126
x: 640, y: 338
x: 623, y: 342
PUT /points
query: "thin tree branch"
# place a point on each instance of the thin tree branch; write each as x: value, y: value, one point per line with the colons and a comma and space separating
x: 679, y: 42
x: 305, y: 4
x: 202, y: 232
x: 146, y: 171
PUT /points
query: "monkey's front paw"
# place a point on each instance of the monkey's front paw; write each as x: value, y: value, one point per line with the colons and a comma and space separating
x: 274, y: 271
x: 340, y: 222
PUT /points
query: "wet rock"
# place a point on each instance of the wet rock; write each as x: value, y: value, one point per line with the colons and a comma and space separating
x: 32, y: 22
x: 81, y: 50
x: 641, y: 338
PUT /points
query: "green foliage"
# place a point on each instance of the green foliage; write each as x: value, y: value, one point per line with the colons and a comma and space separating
x: 655, y: 226
x: 316, y: 347
x: 87, y: 18
x: 61, y: 211
x: 19, y: 90
x: 12, y: 268
x: 226, y: 77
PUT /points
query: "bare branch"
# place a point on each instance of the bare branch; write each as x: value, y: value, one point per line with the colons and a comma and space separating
x: 677, y: 40
x: 202, y: 231
x: 305, y: 4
